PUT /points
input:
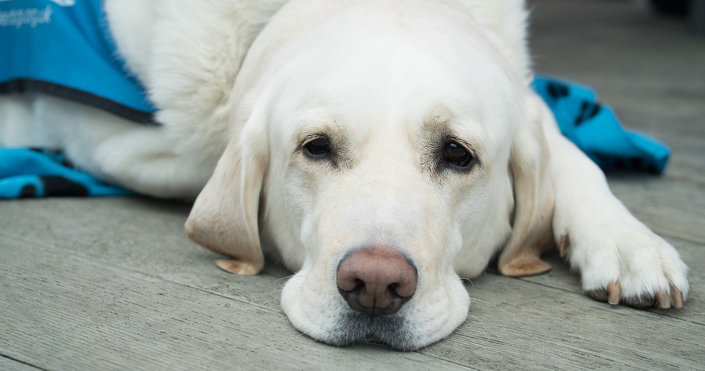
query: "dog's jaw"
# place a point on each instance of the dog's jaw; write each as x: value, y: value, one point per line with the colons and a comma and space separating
x: 430, y: 316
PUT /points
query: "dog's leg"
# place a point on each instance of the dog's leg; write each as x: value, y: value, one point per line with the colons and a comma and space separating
x: 19, y: 126
x: 618, y: 257
x: 142, y: 158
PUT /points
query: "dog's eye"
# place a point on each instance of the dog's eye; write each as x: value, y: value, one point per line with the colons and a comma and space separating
x: 457, y: 155
x: 318, y: 147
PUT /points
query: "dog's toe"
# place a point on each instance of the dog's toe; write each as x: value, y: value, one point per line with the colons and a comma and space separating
x: 597, y: 294
x: 677, y: 297
x: 662, y: 299
x: 614, y: 293
x: 641, y: 302
x: 611, y: 294
x: 628, y: 264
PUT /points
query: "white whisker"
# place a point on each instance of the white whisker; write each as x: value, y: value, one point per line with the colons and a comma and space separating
x: 469, y: 280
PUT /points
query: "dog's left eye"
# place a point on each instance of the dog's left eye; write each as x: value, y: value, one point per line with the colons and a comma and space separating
x: 457, y: 155
x: 318, y: 147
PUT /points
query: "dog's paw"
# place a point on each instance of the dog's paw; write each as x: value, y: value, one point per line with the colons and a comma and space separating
x: 623, y: 261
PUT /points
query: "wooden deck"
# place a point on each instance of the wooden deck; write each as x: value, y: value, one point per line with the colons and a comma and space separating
x: 113, y: 284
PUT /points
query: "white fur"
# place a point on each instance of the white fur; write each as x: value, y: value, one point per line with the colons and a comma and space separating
x: 378, y: 74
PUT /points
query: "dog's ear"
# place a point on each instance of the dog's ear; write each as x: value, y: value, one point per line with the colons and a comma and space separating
x: 533, y: 198
x: 224, y: 218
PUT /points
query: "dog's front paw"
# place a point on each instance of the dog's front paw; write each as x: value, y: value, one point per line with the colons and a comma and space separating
x: 623, y: 261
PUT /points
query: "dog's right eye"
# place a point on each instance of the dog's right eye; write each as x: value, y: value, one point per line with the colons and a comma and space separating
x: 318, y: 147
x: 457, y: 155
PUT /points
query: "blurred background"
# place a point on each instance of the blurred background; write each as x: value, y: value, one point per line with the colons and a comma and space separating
x: 643, y: 59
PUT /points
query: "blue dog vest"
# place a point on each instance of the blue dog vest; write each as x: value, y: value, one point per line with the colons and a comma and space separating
x: 64, y: 48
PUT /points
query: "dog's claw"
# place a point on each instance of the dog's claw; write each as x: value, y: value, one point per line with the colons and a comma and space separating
x: 677, y: 297
x: 563, y: 245
x: 663, y: 299
x: 614, y: 291
x: 611, y: 294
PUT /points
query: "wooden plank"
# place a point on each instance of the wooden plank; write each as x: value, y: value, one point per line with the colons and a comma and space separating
x: 89, y: 316
x: 688, y: 158
x: 62, y: 311
x: 8, y: 364
x: 142, y: 235
x: 522, y: 326
x: 513, y: 323
x: 669, y: 207
x: 616, y: 55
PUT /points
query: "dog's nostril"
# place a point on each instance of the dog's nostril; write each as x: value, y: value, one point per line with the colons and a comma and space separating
x: 376, y: 280
x: 393, y: 289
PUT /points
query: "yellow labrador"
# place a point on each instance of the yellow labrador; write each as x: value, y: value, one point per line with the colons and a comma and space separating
x: 382, y: 149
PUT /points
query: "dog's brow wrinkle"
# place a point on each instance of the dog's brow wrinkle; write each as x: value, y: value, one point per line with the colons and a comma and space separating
x: 439, y: 116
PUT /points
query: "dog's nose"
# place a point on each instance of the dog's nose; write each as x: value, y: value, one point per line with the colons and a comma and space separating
x: 376, y: 280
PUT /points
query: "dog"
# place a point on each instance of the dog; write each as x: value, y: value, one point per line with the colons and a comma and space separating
x: 380, y: 149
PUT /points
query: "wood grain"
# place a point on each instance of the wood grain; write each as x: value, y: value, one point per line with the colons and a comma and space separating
x: 62, y: 311
x: 8, y: 364
x: 115, y: 269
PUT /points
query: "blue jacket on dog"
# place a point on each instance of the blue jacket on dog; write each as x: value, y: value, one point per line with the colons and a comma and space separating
x: 64, y: 48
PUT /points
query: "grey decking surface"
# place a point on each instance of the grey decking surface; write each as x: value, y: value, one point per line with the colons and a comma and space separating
x: 100, y: 284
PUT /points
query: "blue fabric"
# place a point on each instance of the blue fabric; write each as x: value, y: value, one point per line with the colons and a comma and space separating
x: 64, y: 47
x: 595, y: 129
x: 36, y: 173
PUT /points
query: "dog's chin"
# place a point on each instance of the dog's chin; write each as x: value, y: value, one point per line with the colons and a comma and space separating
x: 339, y: 325
x: 322, y: 314
x: 352, y: 328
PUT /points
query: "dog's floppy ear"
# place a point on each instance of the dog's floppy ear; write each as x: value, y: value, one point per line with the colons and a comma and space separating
x: 533, y: 198
x: 224, y: 218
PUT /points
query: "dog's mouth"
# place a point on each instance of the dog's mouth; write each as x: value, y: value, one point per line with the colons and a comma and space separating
x: 354, y: 328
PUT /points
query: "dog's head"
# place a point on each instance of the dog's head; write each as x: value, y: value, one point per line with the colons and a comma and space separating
x: 385, y: 152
